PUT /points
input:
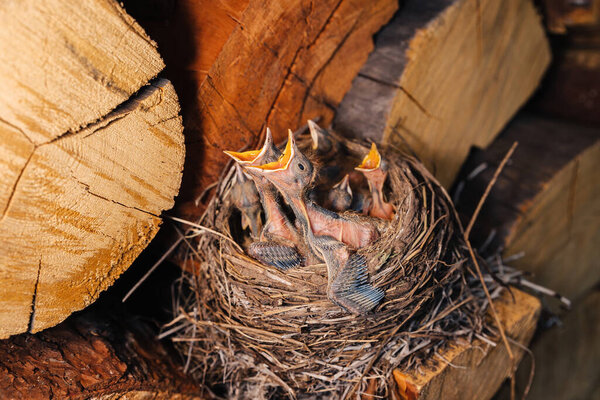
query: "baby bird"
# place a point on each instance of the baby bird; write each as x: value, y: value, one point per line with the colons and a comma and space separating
x: 323, y: 143
x: 374, y: 169
x: 245, y: 197
x: 340, y: 195
x: 348, y: 283
x: 273, y: 247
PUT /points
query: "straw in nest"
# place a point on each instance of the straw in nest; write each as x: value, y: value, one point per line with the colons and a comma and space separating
x: 258, y: 332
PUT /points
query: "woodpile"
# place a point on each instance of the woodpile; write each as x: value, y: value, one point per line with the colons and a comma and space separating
x: 544, y: 204
x: 543, y: 213
x: 249, y: 65
x: 107, y: 109
x: 92, y: 153
x: 438, y: 90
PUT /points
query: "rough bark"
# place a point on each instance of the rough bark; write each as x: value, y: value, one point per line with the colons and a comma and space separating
x: 447, y: 75
x: 93, y: 355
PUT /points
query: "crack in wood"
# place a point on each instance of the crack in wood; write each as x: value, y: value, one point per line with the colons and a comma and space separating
x: 109, y: 123
x: 87, y: 189
x: 162, y: 121
x: 403, y: 90
x: 14, y: 188
x: 120, y: 111
x: 18, y: 129
x: 293, y: 62
x: 324, y: 65
x: 240, y: 118
x: 34, y: 299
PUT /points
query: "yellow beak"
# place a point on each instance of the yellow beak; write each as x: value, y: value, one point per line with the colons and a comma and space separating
x: 371, y: 161
x: 246, y: 157
x: 282, y: 162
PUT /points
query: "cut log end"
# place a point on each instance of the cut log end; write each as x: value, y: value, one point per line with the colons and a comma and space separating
x: 84, y: 206
x: 85, y: 169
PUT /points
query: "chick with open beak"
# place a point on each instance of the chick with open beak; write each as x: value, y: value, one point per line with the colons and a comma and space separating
x: 374, y: 169
x: 271, y: 249
x: 246, y: 198
x: 348, y: 282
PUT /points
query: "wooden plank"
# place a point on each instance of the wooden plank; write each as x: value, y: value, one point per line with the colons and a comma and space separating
x: 445, y: 76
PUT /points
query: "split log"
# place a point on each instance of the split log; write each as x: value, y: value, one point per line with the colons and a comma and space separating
x: 445, y: 76
x: 566, y: 356
x: 245, y: 65
x: 85, y: 168
x: 92, y: 356
x: 474, y: 371
x: 545, y: 203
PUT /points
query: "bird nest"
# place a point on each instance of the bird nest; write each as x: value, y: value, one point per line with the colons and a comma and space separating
x: 253, y: 331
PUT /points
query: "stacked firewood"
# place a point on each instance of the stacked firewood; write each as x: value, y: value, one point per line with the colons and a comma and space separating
x: 93, y: 152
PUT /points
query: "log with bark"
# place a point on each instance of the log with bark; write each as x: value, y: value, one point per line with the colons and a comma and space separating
x: 91, y: 152
x: 92, y: 355
x: 545, y: 204
x: 445, y: 76
x: 240, y: 66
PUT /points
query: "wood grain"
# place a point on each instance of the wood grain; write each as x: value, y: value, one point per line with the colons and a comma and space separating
x: 566, y: 356
x: 545, y: 204
x: 85, y: 168
x: 84, y: 206
x: 447, y: 75
x: 65, y: 64
x: 476, y: 371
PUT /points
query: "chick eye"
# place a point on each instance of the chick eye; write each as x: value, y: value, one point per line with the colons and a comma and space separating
x: 301, y: 166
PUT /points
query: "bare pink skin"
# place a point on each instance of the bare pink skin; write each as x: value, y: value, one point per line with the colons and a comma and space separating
x: 353, y: 233
x: 277, y: 223
x: 379, y: 207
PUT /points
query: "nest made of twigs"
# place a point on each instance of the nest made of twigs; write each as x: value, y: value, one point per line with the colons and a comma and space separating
x: 252, y: 331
